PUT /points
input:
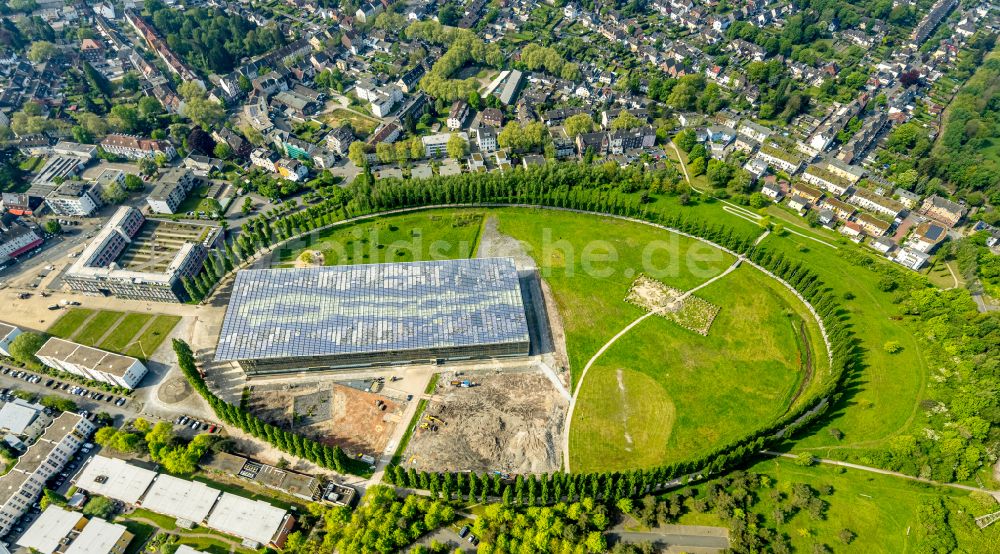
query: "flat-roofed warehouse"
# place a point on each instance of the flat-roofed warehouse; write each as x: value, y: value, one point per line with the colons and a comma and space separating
x: 285, y: 320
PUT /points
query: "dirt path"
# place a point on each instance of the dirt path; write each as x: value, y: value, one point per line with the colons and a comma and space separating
x: 621, y: 391
x: 233, y: 545
x: 736, y: 210
x: 994, y: 494
x: 953, y: 276
x: 607, y: 345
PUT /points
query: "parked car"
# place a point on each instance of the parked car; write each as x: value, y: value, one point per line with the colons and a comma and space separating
x: 49, y: 382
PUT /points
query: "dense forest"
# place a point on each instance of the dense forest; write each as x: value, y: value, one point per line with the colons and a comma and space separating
x: 967, y: 153
x: 210, y: 39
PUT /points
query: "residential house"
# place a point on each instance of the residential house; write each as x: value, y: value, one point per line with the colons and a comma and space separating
x: 486, y: 138
x: 492, y: 117
x: 264, y: 158
x: 942, y: 210
x: 136, y: 148
x: 291, y: 169
x: 868, y: 200
x: 456, y: 116
x: 812, y: 195
x: 340, y: 139
x: 910, y: 258
x: 872, y: 225
x: 927, y: 236
x: 842, y: 210
x: 772, y: 191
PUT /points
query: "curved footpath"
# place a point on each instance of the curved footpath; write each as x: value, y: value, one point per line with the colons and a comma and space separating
x: 257, y: 256
x: 603, y: 349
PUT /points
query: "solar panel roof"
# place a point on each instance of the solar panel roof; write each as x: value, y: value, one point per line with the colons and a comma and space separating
x: 323, y: 311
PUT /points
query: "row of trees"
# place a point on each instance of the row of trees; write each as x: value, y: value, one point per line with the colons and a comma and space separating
x: 606, y: 189
x: 330, y: 457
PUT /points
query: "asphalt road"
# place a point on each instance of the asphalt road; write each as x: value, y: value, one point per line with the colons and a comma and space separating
x: 119, y: 413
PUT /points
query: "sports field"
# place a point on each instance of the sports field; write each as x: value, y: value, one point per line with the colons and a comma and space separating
x: 403, y: 238
x: 133, y: 334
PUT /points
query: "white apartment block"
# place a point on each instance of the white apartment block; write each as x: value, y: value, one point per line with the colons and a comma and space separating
x: 22, y: 486
x: 75, y: 198
x: 92, y: 363
x: 170, y: 190
x: 437, y: 145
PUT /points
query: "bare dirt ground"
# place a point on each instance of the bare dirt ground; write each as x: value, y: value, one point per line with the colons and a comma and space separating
x: 511, y: 422
x: 329, y: 413
x: 688, y: 311
x: 494, y: 244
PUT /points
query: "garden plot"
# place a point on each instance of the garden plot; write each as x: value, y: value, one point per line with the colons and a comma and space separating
x: 688, y: 311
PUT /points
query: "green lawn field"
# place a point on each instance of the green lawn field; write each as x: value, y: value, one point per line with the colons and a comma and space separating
x: 885, y: 392
x: 881, y: 510
x: 403, y: 238
x: 96, y: 327
x: 125, y: 332
x: 133, y: 334
x: 884, y: 396
x: 69, y: 322
x: 591, y: 261
x: 150, y: 340
x: 701, y: 390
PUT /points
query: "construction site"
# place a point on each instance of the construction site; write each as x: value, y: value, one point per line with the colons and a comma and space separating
x: 342, y: 414
x: 508, y: 422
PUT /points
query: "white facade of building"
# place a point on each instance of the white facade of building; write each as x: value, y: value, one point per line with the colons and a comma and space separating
x: 22, y: 486
x: 92, y: 363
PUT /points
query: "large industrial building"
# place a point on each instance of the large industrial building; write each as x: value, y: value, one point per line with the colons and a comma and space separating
x: 142, y: 259
x: 287, y: 320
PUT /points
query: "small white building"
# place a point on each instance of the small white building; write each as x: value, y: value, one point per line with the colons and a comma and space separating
x: 20, y: 417
x: 907, y: 257
x: 61, y: 531
x: 92, y: 363
x: 437, y: 145
x: 115, y: 479
x: 255, y: 521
